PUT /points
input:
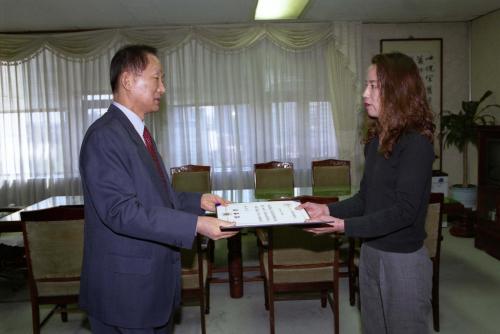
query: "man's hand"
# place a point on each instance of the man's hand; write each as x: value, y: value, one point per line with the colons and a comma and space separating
x: 315, y: 210
x: 334, y: 225
x: 210, y: 201
x: 210, y: 227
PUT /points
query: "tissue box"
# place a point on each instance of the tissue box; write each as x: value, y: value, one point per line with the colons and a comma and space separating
x: 440, y: 185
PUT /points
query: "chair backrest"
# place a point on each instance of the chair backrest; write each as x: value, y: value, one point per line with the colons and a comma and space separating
x: 191, y: 178
x: 296, y: 247
x: 433, y: 223
x: 273, y: 179
x: 53, y: 240
x: 331, y: 176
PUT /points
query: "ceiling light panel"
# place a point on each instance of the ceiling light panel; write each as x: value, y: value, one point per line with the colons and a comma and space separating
x: 279, y: 9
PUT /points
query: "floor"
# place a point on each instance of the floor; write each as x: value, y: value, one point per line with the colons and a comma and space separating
x: 470, y: 302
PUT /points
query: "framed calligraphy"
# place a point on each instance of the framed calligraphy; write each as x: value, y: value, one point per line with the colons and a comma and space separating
x: 428, y: 55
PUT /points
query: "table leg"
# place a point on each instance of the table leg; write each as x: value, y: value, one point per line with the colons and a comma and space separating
x: 235, y: 267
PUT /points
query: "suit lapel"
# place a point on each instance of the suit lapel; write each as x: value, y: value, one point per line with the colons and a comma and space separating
x: 145, y: 156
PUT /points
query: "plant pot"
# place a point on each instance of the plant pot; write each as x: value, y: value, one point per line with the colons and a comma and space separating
x: 465, y: 195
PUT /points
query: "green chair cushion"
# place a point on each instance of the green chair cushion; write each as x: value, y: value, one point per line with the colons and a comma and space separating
x: 293, y: 246
x: 192, y: 182
x: 331, y: 176
x: 56, y: 248
x: 294, y: 275
x: 273, y: 183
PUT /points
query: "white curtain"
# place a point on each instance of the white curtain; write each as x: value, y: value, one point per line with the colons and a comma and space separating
x: 47, y: 104
x: 236, y: 95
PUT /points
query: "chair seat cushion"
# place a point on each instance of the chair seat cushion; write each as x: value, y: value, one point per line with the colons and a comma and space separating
x: 297, y: 275
x: 52, y: 289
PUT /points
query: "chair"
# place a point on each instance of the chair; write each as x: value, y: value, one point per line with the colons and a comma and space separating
x: 347, y: 250
x: 12, y: 262
x: 293, y: 260
x: 191, y: 178
x: 196, y: 269
x: 332, y: 177
x: 433, y: 227
x: 53, y: 242
x: 273, y: 179
x: 195, y: 277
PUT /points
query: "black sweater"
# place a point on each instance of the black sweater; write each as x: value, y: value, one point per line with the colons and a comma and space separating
x: 390, y: 208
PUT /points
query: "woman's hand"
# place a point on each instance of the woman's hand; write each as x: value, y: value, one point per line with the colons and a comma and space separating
x: 315, y: 210
x: 333, y: 225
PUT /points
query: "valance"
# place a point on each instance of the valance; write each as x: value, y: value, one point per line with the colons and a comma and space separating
x: 228, y: 37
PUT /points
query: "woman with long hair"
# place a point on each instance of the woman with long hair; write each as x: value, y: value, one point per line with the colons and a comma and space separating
x: 389, y: 210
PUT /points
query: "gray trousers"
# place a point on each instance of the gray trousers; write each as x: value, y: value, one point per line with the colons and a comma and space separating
x: 395, y: 291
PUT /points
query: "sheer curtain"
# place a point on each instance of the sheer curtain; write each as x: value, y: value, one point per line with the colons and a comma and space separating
x: 231, y: 109
x: 47, y: 103
x: 236, y: 95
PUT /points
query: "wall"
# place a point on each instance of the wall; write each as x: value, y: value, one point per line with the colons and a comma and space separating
x: 485, y: 67
x: 455, y: 67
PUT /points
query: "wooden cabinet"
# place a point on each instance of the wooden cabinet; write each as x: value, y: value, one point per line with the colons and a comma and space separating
x: 488, y: 198
x: 488, y: 220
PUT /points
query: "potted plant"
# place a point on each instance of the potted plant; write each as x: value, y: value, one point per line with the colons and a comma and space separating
x: 459, y: 130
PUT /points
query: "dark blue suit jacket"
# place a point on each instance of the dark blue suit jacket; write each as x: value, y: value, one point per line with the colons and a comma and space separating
x: 133, y: 228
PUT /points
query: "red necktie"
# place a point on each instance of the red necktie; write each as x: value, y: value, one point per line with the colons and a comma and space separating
x: 151, y: 149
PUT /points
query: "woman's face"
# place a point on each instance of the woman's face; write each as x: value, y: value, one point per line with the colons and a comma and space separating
x: 371, y: 95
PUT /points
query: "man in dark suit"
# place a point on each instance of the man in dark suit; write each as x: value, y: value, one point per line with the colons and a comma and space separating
x: 135, y: 222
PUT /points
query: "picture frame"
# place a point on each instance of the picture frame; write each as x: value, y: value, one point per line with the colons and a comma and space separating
x: 428, y: 55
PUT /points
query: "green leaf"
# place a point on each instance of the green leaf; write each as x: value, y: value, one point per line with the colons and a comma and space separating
x: 459, y: 129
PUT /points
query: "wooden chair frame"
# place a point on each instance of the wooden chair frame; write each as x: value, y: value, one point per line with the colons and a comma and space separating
x: 271, y: 288
x: 202, y: 291
x: 73, y: 213
x: 189, y: 168
x: 436, y: 261
x: 347, y: 260
x: 273, y: 164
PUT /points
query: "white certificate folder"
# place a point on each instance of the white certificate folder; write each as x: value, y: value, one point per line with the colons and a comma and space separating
x: 261, y: 214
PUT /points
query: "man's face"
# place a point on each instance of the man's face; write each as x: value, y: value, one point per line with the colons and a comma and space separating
x: 147, y: 88
x: 371, y: 95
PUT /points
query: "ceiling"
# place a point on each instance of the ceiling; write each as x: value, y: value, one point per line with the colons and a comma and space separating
x: 69, y: 15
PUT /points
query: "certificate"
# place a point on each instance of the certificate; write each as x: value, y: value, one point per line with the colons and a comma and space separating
x: 259, y: 214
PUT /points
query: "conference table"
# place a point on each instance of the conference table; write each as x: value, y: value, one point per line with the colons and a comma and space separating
x: 12, y: 222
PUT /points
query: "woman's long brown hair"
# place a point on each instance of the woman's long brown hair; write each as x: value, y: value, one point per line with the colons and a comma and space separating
x: 403, y: 102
